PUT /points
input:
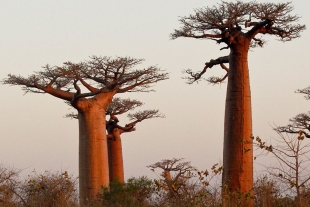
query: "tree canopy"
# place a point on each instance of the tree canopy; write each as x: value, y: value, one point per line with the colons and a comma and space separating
x: 97, y: 75
x: 224, y: 22
x: 120, y: 106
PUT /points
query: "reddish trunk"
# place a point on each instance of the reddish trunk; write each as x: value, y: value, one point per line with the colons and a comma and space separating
x: 116, y: 167
x: 238, y: 148
x: 93, y: 150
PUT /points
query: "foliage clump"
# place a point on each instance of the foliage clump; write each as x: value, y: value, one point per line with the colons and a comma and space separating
x: 136, y: 193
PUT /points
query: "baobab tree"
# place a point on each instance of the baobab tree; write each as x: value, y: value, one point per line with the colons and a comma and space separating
x: 237, y: 24
x: 175, y: 179
x: 300, y: 124
x: 120, y: 106
x: 102, y: 78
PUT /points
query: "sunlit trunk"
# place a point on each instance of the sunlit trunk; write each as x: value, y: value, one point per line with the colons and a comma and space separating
x: 238, y: 148
x: 93, y: 154
x: 116, y: 166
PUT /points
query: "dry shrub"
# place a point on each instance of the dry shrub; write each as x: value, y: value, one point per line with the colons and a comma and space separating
x: 38, y: 190
x: 50, y: 189
x: 8, y: 184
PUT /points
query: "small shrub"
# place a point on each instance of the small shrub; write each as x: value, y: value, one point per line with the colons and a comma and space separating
x: 49, y: 189
x: 135, y: 193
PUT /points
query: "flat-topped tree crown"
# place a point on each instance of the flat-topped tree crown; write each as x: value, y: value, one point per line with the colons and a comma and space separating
x: 120, y: 106
x: 225, y: 21
x: 300, y: 124
x: 146, y: 114
x: 239, y: 25
x: 232, y: 22
x: 102, y: 78
x: 98, y: 75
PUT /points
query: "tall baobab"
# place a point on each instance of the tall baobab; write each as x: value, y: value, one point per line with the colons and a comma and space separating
x: 237, y: 24
x: 117, y: 107
x: 102, y: 78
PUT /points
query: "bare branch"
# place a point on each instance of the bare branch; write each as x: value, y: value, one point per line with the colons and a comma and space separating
x: 120, y: 106
x: 216, y: 80
x: 146, y: 114
x: 223, y: 21
x: 110, y: 75
x: 47, y: 81
x: 196, y: 76
x: 299, y: 124
x: 305, y: 91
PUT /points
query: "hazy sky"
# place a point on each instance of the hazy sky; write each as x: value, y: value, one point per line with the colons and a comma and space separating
x: 34, y: 134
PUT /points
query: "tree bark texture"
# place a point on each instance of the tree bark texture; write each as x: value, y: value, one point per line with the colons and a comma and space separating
x: 116, y: 166
x: 93, y: 150
x: 238, y: 147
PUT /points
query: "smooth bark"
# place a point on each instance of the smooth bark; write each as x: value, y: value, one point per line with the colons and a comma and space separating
x: 238, y: 147
x: 111, y: 76
x: 116, y: 165
x: 93, y: 153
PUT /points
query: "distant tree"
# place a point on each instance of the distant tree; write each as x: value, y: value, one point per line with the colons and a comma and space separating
x: 300, y: 124
x: 305, y: 91
x: 120, y: 106
x: 102, y: 77
x: 237, y: 24
x: 180, y: 184
x: 291, y: 151
x: 175, y: 175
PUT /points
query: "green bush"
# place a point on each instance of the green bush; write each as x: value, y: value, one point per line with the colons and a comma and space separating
x: 135, y: 193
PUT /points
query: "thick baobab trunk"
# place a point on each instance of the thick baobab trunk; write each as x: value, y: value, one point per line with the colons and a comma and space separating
x: 116, y: 166
x: 238, y: 148
x: 93, y: 153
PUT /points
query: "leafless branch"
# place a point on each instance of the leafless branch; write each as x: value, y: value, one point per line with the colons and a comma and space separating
x: 222, y: 21
x: 120, y: 106
x: 305, y: 91
x: 99, y: 75
x: 299, y: 124
x: 193, y: 77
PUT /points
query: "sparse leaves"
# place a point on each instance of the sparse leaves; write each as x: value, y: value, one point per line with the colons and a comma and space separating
x: 219, y: 22
x: 146, y: 114
x: 120, y: 106
x: 305, y: 91
x: 182, y: 183
x: 228, y: 21
x: 299, y: 124
x: 291, y: 154
x: 98, y: 75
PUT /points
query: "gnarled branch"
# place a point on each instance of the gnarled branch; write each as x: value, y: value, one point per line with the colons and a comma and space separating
x: 196, y: 76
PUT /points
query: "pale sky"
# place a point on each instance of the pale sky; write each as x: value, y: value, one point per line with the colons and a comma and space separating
x: 34, y: 134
